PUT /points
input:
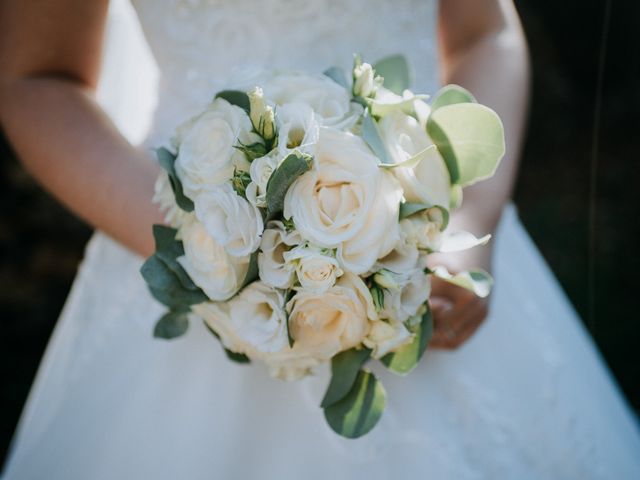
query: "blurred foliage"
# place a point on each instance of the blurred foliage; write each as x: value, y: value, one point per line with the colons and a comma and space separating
x: 41, y: 244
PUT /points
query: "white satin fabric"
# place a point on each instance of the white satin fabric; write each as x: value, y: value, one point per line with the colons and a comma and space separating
x: 527, y: 397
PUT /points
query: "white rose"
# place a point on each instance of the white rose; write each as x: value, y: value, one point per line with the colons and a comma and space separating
x: 260, y: 172
x: 429, y: 181
x: 218, y: 274
x: 423, y: 229
x: 327, y: 323
x: 403, y: 257
x: 385, y: 337
x: 230, y: 219
x: 298, y: 128
x: 329, y: 100
x: 316, y: 271
x: 274, y: 270
x: 347, y: 202
x: 206, y: 153
x: 165, y: 198
x: 400, y: 304
x: 258, y: 317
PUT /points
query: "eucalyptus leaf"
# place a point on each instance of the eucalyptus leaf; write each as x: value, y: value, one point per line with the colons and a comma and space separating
x: 456, y: 197
x: 235, y: 97
x: 171, y: 325
x: 477, y: 281
x: 166, y: 286
x: 359, y: 411
x: 234, y: 356
x: 450, y: 95
x: 395, y: 71
x: 252, y: 271
x: 408, y: 356
x: 294, y: 165
x: 371, y: 135
x: 168, y: 249
x: 166, y: 159
x: 413, y: 161
x: 470, y: 138
x: 344, y: 370
x: 337, y: 75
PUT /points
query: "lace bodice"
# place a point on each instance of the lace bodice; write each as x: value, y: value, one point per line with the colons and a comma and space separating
x: 202, y: 46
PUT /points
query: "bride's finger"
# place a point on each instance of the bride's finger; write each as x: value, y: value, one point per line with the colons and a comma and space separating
x: 466, y: 326
x: 454, y: 326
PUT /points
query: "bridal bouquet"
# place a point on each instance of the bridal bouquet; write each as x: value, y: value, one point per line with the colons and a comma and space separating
x: 302, y: 215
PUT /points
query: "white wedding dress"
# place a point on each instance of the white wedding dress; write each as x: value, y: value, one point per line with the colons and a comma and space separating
x: 527, y: 397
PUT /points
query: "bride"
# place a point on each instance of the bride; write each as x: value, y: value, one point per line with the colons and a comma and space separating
x: 521, y: 394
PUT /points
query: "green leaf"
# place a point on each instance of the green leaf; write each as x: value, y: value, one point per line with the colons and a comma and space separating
x: 166, y: 159
x: 456, y: 197
x: 252, y: 271
x: 234, y: 356
x: 337, y: 75
x: 168, y: 249
x: 294, y: 165
x: 395, y: 70
x: 240, y: 181
x: 407, y: 209
x: 253, y: 151
x: 171, y: 325
x: 413, y: 161
x: 470, y: 138
x: 477, y: 281
x: 235, y: 97
x: 166, y: 287
x: 371, y: 135
x: 344, y: 370
x: 359, y: 411
x: 450, y: 95
x: 461, y: 240
x: 408, y: 356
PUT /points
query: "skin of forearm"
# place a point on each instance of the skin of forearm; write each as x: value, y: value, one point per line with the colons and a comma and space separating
x: 69, y: 145
x: 495, y: 68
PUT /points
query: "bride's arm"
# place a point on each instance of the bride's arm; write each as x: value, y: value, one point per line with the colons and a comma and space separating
x: 50, y: 52
x: 482, y: 48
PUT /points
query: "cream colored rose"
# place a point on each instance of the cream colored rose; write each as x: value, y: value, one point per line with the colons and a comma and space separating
x: 274, y: 270
x: 258, y: 317
x: 330, y: 101
x: 423, y: 229
x: 336, y: 320
x: 206, y: 153
x: 346, y: 202
x: 385, y: 337
x: 218, y: 274
x: 230, y: 219
x: 316, y: 271
x: 429, y: 181
x: 260, y: 172
x: 164, y: 197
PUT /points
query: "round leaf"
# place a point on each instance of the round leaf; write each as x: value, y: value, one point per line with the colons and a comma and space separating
x: 470, y: 138
x: 358, y: 412
x: 171, y: 325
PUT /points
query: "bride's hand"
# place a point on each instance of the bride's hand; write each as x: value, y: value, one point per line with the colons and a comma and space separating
x: 457, y: 312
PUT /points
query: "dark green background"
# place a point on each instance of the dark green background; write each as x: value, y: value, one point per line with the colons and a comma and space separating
x: 41, y: 244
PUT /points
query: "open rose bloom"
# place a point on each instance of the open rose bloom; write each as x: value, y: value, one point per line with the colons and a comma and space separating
x: 300, y: 217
